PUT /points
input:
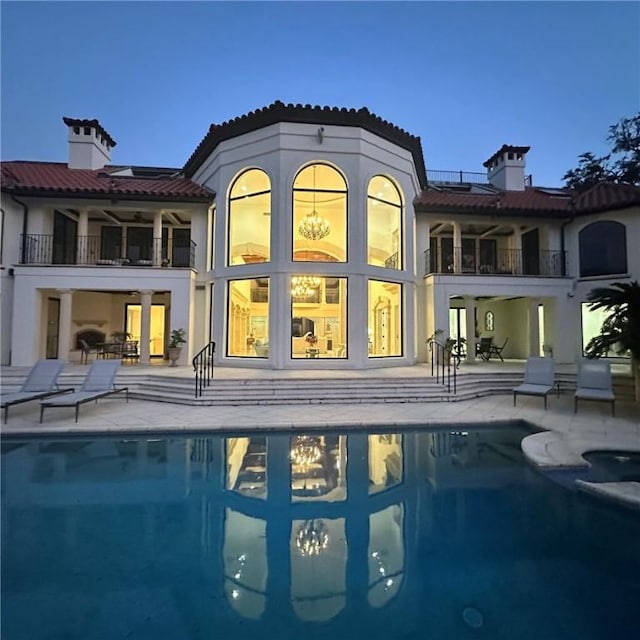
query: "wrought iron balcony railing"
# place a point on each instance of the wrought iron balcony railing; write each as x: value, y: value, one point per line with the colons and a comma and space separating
x: 501, y: 262
x: 94, y: 251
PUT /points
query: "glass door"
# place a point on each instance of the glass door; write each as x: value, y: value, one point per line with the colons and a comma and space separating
x: 156, y: 334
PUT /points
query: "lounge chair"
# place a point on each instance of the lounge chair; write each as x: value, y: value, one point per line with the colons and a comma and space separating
x: 594, y: 383
x: 40, y: 383
x: 98, y: 383
x: 539, y: 378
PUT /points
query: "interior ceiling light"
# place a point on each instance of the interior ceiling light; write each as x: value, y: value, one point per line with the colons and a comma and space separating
x: 304, y: 286
x: 312, y: 538
x: 313, y: 226
x: 306, y: 450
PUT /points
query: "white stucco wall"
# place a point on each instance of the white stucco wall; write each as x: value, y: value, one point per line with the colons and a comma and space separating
x: 33, y: 285
x: 281, y: 150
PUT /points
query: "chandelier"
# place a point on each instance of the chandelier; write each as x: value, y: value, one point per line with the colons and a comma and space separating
x: 312, y: 538
x: 314, y: 227
x: 306, y: 450
x: 304, y: 286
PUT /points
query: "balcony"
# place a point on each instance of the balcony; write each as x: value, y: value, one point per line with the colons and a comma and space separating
x: 94, y: 251
x: 502, y: 262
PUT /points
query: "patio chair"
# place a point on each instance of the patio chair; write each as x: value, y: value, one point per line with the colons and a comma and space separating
x: 40, y: 383
x: 594, y: 383
x: 86, y: 350
x: 98, y: 383
x: 539, y: 378
x: 483, y: 348
x: 130, y: 350
x: 495, y: 350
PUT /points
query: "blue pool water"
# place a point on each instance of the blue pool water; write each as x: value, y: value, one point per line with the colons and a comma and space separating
x: 389, y: 534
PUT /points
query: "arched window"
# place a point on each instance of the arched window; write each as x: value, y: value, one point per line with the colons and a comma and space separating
x: 250, y: 218
x: 603, y: 249
x: 384, y: 224
x: 319, y: 215
x: 488, y: 321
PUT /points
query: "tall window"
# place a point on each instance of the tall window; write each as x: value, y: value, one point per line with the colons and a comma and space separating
x: 384, y: 224
x: 250, y: 218
x: 319, y: 215
x: 318, y: 317
x: 248, y: 325
x: 385, y: 319
x: 603, y: 249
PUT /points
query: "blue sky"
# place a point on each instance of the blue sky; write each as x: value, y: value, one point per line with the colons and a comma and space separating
x: 465, y: 77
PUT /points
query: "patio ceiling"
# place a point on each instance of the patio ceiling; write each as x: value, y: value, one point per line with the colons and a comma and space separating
x: 478, y: 229
x: 130, y: 216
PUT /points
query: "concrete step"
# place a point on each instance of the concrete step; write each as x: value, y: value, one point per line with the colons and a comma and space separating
x: 320, y: 390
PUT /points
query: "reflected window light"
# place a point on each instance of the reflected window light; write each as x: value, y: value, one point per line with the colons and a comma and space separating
x: 235, y: 594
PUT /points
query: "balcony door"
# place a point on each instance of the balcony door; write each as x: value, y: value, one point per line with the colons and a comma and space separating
x: 65, y: 231
x: 531, y: 253
x: 179, y: 255
x: 139, y: 244
x: 110, y: 243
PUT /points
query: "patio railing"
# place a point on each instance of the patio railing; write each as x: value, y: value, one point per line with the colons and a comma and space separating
x: 93, y: 251
x: 203, y: 367
x: 442, y: 367
x: 501, y: 262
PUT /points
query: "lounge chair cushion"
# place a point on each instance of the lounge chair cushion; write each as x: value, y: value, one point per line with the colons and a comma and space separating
x: 533, y: 389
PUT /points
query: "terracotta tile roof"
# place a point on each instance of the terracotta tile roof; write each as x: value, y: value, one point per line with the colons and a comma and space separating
x: 280, y: 112
x: 533, y: 201
x: 55, y: 178
x: 607, y: 195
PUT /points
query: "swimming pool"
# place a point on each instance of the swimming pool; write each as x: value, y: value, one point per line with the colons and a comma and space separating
x: 442, y: 534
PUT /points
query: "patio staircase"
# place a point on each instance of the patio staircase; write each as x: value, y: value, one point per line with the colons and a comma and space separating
x: 347, y: 389
x: 320, y: 390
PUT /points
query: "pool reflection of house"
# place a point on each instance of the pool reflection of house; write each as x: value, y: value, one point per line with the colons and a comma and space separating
x: 298, y: 221
x: 309, y: 524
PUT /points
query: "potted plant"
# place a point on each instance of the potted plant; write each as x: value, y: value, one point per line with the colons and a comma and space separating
x: 176, y: 338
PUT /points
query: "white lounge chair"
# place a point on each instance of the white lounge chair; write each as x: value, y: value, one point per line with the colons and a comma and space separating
x: 40, y: 383
x: 594, y: 383
x: 539, y: 378
x: 98, y: 383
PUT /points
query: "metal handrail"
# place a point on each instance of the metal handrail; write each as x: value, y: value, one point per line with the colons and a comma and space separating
x: 203, y: 367
x: 547, y: 263
x: 48, y: 249
x: 441, y: 367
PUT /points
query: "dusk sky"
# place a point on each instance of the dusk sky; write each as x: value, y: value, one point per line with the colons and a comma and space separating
x: 465, y: 77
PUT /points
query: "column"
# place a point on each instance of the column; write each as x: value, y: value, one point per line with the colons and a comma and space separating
x: 422, y: 247
x: 534, y: 329
x: 64, y: 328
x: 470, y: 309
x: 82, y: 250
x: 516, y: 253
x: 157, y: 238
x: 457, y: 248
x: 145, y: 327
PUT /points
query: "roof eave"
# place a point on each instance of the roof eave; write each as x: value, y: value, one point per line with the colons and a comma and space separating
x: 95, y: 195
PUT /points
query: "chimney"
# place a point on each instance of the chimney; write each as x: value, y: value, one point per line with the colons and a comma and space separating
x: 89, y: 144
x: 505, y: 168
